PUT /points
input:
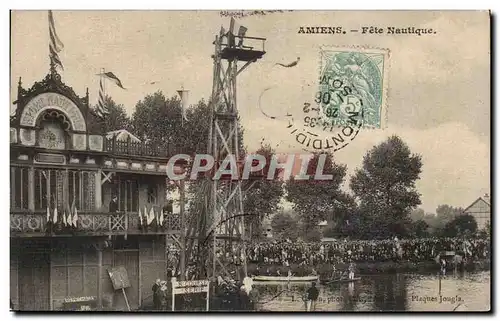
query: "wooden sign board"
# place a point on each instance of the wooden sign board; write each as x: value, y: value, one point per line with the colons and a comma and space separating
x: 186, y: 287
x: 84, y: 303
x: 119, y: 277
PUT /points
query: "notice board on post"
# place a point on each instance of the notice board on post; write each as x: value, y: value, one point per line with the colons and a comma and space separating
x: 119, y: 278
x: 84, y: 303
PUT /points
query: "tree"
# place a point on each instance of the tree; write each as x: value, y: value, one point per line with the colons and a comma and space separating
x: 462, y: 225
x: 285, y: 225
x: 444, y: 215
x: 420, y: 229
x: 117, y: 117
x: 310, y: 233
x: 385, y: 188
x: 262, y: 197
x: 486, y: 231
x: 417, y: 215
x: 318, y: 200
x: 158, y: 119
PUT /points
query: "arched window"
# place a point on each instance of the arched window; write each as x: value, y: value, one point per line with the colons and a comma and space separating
x: 53, y: 127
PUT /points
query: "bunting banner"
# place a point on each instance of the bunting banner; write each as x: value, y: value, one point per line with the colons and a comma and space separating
x: 112, y: 77
x: 151, y: 216
x: 54, y: 220
x: 64, y: 222
x: 75, y: 218
x: 55, y: 44
x: 140, y: 218
x: 161, y: 218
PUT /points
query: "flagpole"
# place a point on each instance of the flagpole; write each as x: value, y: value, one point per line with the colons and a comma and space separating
x: 103, y: 80
x: 182, y: 106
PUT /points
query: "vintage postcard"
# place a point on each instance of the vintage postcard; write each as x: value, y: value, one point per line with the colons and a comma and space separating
x: 271, y: 160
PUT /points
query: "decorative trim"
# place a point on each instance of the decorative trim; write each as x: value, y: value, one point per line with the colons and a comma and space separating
x: 27, y: 136
x: 122, y: 164
x: 79, y: 141
x: 150, y: 167
x: 13, y: 135
x: 136, y: 166
x: 96, y: 142
x: 46, y: 158
x: 36, y: 106
x: 90, y: 161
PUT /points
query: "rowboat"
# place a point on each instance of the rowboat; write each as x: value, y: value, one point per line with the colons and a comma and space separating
x: 265, y: 278
x: 341, y: 280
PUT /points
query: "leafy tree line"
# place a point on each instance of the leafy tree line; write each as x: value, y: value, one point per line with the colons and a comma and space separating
x: 157, y: 119
x: 382, y: 203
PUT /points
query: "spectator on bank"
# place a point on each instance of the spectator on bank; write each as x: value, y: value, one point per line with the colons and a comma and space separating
x: 312, y: 297
x: 156, y: 294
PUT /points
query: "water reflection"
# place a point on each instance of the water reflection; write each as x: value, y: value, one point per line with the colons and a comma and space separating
x: 387, y: 292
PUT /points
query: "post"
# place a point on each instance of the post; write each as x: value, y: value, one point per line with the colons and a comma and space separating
x: 439, y: 283
x: 183, y: 231
x: 31, y: 189
x: 208, y: 296
x: 126, y: 300
x: 98, y: 189
x: 174, y: 284
x: 99, y: 277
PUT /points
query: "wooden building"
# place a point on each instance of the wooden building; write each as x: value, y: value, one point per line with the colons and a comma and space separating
x: 480, y: 209
x: 61, y: 160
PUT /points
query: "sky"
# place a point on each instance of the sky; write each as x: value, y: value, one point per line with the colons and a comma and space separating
x: 438, y: 92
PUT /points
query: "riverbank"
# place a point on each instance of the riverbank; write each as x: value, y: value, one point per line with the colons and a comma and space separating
x: 361, y: 267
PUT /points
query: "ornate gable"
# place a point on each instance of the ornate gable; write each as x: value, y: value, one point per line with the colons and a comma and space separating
x: 52, y: 83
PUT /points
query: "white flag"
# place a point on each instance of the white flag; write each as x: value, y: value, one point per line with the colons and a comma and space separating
x: 64, y: 219
x: 75, y: 218
x: 151, y: 216
x: 140, y: 217
x: 161, y: 218
x: 48, y: 214
x: 55, y: 215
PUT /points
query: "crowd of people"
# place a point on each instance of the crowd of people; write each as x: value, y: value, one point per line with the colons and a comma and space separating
x: 287, y: 253
x: 344, y: 251
x: 236, y: 293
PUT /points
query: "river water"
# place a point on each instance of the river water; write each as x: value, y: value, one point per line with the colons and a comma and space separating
x: 386, y: 292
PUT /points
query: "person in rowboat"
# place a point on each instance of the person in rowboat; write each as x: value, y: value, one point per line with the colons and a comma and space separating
x: 335, y: 274
x: 352, y: 268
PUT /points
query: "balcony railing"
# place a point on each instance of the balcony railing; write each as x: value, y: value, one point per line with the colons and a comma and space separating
x: 128, y: 147
x: 90, y: 224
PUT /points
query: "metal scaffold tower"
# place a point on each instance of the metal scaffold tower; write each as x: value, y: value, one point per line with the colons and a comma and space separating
x: 222, y: 225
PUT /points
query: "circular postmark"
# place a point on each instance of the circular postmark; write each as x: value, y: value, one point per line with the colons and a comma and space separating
x: 348, y: 97
x: 332, y: 119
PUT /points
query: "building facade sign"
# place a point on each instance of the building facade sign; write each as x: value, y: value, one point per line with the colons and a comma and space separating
x: 42, y: 102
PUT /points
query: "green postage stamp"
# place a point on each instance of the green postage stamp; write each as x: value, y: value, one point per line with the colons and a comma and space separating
x: 353, y: 85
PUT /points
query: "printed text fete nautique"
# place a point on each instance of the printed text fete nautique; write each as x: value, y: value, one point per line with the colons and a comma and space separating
x: 366, y: 30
